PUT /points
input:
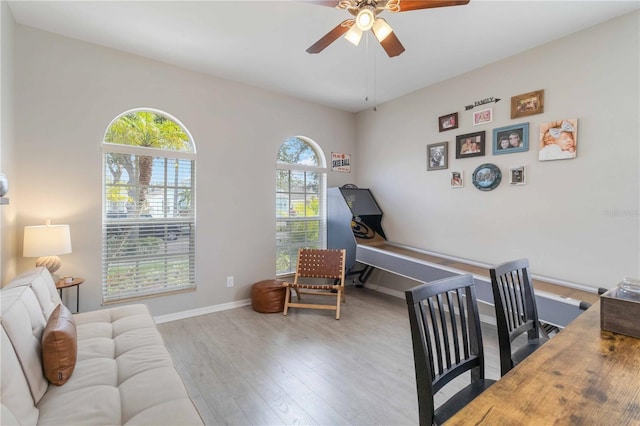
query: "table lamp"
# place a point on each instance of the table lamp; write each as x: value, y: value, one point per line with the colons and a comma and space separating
x: 46, y: 242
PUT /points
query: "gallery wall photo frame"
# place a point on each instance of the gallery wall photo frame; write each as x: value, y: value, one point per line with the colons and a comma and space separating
x: 470, y: 145
x: 527, y: 104
x: 438, y: 156
x: 483, y: 116
x: 457, y: 179
x: 558, y: 140
x: 510, y: 139
x: 448, y: 122
x: 518, y: 175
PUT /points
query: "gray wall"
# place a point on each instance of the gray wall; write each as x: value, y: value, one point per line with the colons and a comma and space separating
x: 8, y: 261
x: 66, y: 94
x: 576, y: 220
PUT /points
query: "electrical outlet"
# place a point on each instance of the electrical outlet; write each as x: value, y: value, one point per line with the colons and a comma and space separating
x: 230, y: 281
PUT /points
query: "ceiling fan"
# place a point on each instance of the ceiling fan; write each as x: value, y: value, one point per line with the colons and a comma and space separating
x: 366, y: 18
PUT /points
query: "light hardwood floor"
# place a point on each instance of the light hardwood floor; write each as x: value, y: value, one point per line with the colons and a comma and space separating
x: 246, y: 368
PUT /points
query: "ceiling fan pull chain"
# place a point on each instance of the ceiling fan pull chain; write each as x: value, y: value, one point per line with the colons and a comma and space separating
x: 366, y: 87
x: 375, y: 80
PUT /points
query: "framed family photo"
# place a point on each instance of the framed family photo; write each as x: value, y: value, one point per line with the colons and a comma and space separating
x: 483, y: 117
x: 470, y: 145
x: 437, y: 156
x: 448, y: 122
x: 510, y: 139
x: 457, y: 179
x: 527, y: 104
x: 518, y: 175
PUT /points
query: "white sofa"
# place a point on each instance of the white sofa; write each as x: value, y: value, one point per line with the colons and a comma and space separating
x: 123, y: 374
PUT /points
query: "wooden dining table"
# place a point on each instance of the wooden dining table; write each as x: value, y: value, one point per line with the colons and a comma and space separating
x: 581, y: 376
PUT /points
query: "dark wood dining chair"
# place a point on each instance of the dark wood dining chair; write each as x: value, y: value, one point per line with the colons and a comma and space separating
x: 516, y: 312
x: 447, y: 342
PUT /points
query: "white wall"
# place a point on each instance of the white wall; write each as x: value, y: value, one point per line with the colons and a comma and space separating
x: 8, y: 263
x: 67, y: 93
x: 576, y: 220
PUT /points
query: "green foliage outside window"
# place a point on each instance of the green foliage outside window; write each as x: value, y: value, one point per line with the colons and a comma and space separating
x: 149, y: 213
x: 298, y: 215
x: 144, y: 129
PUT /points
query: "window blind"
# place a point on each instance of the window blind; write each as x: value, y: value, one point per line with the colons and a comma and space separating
x: 300, y: 204
x: 148, y: 228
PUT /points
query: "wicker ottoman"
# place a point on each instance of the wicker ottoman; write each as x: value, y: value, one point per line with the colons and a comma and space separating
x: 268, y: 296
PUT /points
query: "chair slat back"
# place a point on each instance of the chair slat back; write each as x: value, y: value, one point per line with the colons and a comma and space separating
x: 446, y: 335
x: 514, y: 297
x: 320, y: 263
x: 444, y: 317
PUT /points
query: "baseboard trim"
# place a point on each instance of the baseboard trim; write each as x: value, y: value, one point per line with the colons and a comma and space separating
x: 200, y: 311
x: 160, y: 319
x: 385, y: 290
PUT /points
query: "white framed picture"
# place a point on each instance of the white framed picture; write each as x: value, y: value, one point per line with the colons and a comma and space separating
x: 483, y: 116
x: 457, y: 179
x: 518, y: 175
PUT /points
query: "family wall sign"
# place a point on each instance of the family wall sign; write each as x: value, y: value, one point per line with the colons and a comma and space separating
x: 482, y: 102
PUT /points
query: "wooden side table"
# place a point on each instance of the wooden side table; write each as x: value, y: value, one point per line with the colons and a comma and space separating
x: 75, y: 283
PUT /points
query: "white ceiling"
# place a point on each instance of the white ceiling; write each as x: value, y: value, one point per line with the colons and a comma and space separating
x: 262, y: 43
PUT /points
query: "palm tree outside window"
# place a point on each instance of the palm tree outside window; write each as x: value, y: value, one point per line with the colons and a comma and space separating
x: 148, y: 230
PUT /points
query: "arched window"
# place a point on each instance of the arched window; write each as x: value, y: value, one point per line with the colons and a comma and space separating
x: 148, y: 237
x: 300, y: 201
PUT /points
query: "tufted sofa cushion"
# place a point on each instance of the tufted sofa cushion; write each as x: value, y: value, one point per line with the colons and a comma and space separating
x: 23, y: 322
x: 124, y: 375
x: 17, y: 402
x: 43, y: 286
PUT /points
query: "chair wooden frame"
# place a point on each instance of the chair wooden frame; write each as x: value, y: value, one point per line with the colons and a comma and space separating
x: 447, y: 342
x: 317, y: 263
x: 516, y: 312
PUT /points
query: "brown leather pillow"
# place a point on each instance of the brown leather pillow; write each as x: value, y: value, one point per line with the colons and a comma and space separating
x: 59, y: 346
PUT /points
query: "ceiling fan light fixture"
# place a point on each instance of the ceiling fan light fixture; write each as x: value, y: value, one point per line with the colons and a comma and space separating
x: 354, y: 35
x: 381, y: 29
x: 365, y: 19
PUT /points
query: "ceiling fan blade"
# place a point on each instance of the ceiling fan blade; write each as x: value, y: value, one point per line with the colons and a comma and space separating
x: 406, y: 5
x: 331, y: 36
x: 392, y: 45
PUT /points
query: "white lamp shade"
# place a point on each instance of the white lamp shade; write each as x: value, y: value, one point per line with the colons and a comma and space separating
x: 381, y: 29
x: 46, y: 240
x: 353, y: 35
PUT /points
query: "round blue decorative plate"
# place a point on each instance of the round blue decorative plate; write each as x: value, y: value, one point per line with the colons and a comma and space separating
x: 486, y: 177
